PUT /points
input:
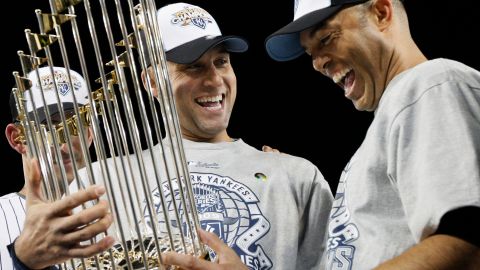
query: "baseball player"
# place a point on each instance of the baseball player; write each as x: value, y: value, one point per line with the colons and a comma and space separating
x: 408, y: 197
x: 36, y: 233
x: 269, y: 207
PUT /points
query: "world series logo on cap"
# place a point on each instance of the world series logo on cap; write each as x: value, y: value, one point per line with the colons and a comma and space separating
x: 192, y: 15
x: 61, y: 80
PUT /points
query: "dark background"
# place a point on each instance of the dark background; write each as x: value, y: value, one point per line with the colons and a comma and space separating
x: 285, y: 105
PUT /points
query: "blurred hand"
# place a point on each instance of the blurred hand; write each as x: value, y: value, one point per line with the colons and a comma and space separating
x: 267, y: 148
x: 51, y: 233
x: 226, y: 257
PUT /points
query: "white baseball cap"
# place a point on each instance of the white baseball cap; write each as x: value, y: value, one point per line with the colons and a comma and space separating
x: 284, y: 44
x: 47, y: 82
x: 188, y: 31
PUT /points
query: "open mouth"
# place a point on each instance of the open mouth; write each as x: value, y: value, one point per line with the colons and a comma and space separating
x: 345, y: 79
x: 211, y: 102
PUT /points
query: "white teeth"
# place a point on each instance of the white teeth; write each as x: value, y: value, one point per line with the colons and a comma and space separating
x: 217, y: 98
x: 340, y: 75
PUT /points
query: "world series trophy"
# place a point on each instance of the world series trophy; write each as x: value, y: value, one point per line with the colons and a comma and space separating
x: 137, y: 151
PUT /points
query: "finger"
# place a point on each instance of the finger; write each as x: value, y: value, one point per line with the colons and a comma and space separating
x: 212, y: 240
x: 34, y: 182
x: 267, y: 148
x: 85, y: 216
x: 186, y: 262
x: 76, y: 199
x: 85, y: 251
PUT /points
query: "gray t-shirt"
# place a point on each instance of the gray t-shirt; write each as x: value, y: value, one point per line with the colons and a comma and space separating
x: 420, y: 159
x: 271, y: 208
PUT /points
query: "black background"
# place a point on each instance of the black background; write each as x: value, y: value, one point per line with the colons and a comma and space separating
x: 284, y: 105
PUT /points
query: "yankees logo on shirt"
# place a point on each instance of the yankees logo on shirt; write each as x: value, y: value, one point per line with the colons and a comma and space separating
x: 228, y: 209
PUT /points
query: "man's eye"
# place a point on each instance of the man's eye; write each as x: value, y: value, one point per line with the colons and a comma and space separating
x: 221, y: 61
x: 193, y: 67
x: 326, y: 39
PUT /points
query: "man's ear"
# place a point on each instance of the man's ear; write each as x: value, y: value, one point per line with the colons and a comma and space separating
x: 144, y: 78
x: 12, y: 132
x: 383, y: 13
x: 149, y: 81
x: 89, y: 136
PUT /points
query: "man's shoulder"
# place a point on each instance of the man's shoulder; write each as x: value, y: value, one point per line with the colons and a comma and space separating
x: 286, y: 160
x: 11, y: 196
x: 438, y: 79
x: 437, y: 72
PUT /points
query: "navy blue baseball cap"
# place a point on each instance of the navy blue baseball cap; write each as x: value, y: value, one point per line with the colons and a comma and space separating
x: 284, y: 44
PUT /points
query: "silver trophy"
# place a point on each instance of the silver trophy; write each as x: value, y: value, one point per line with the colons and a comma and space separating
x: 137, y: 151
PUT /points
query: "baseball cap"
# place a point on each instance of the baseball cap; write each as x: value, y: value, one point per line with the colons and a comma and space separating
x: 60, y: 77
x: 284, y: 44
x: 188, y: 31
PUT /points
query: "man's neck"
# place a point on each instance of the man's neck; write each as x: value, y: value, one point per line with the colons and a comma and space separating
x: 23, y: 191
x: 222, y: 137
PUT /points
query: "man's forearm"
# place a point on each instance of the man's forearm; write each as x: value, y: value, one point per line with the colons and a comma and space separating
x: 439, y: 252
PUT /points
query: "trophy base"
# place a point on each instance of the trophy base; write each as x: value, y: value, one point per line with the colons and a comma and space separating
x: 135, y: 257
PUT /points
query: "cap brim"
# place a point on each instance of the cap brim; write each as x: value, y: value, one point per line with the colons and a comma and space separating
x: 193, y: 50
x: 52, y: 109
x: 284, y: 44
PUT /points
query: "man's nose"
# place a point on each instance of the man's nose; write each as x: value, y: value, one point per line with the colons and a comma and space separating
x: 320, y: 63
x: 213, y: 77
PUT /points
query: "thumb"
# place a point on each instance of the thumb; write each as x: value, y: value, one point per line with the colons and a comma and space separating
x: 34, y: 181
x: 212, y: 240
x: 225, y: 254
